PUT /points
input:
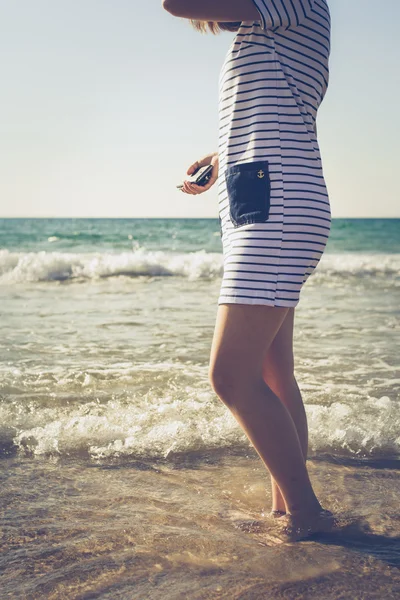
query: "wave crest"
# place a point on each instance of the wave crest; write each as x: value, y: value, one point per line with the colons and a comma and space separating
x: 157, y: 426
x: 17, y: 267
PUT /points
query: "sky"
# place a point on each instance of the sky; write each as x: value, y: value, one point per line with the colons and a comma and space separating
x: 104, y: 105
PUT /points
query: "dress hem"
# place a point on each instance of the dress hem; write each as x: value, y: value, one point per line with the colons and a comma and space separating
x: 257, y: 301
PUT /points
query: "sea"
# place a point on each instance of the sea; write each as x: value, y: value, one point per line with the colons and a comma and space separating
x: 122, y: 474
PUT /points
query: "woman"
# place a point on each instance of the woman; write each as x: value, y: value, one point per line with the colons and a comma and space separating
x: 275, y: 221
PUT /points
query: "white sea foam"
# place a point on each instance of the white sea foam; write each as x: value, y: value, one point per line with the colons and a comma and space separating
x: 17, y: 267
x: 359, y: 265
x: 190, y: 419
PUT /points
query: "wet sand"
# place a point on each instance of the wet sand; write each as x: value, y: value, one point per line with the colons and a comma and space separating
x: 192, y: 526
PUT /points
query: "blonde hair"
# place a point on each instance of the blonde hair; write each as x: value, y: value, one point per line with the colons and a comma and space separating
x: 215, y: 26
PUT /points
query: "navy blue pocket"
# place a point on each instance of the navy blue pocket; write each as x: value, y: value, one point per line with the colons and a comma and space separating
x: 249, y: 192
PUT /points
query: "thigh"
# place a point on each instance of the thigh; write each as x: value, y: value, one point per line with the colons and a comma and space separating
x: 243, y: 333
x: 278, y: 364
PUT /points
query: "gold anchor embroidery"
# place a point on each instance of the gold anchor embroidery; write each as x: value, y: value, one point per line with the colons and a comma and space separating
x: 260, y: 174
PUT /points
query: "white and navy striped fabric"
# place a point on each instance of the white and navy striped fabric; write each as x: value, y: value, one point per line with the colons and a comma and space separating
x: 271, y: 84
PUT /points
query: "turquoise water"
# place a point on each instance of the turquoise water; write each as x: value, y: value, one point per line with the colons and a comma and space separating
x: 175, y: 235
x: 90, y: 249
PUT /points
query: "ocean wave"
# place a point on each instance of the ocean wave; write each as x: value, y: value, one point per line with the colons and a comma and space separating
x: 19, y: 267
x: 359, y: 265
x: 194, y: 420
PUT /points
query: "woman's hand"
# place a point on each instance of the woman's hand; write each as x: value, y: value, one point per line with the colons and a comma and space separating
x: 209, y: 159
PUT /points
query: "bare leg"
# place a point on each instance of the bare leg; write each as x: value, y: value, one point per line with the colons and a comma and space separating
x: 278, y: 373
x: 242, y: 337
x: 290, y: 396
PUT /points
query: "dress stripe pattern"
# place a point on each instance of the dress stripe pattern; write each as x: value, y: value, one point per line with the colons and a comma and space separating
x: 272, y: 82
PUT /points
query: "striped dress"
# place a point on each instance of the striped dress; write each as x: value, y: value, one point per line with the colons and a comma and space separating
x: 273, y: 202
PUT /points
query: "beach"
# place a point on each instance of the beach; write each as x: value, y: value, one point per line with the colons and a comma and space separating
x: 124, y: 476
x: 191, y: 528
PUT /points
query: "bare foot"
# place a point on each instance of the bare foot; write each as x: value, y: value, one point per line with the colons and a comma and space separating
x: 297, y: 527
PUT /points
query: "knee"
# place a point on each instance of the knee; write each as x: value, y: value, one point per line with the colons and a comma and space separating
x: 222, y: 382
x: 230, y: 383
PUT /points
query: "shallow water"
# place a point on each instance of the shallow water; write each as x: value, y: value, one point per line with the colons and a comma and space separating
x: 120, y: 369
x: 192, y: 527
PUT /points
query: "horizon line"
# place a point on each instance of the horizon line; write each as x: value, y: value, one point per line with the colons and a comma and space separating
x: 171, y: 218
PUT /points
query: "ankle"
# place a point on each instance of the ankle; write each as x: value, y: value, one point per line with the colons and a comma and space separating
x: 306, y: 509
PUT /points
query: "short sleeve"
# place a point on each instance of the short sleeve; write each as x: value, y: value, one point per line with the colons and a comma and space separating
x: 282, y: 13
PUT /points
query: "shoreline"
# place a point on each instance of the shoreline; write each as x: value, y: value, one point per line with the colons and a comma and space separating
x: 186, y: 527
